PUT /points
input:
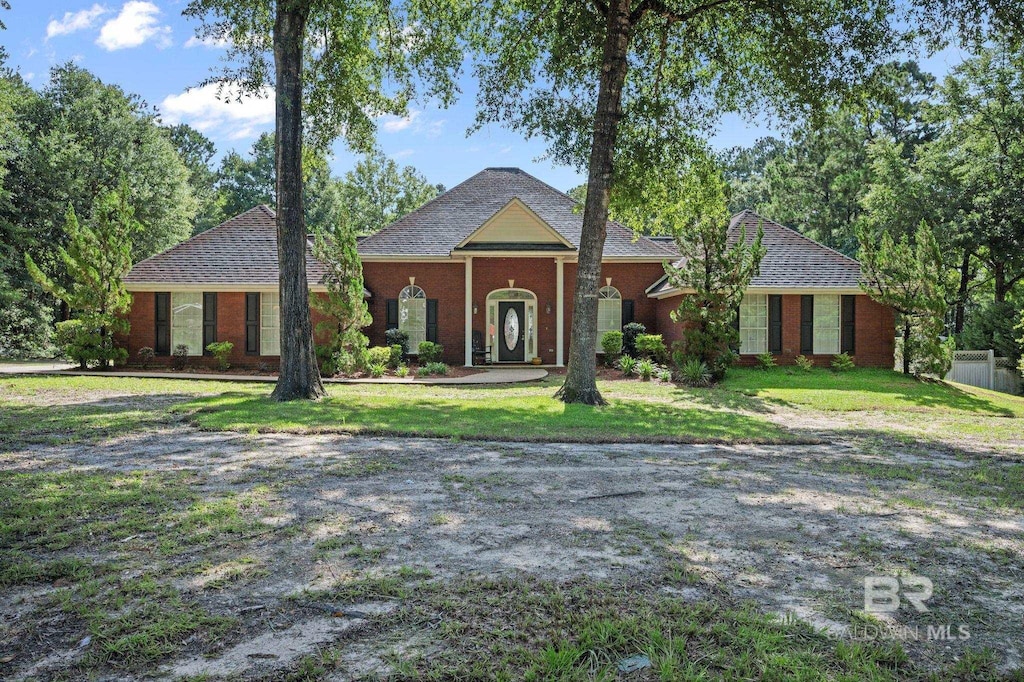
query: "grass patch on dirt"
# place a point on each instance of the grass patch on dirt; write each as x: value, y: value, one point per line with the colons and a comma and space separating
x: 105, y: 543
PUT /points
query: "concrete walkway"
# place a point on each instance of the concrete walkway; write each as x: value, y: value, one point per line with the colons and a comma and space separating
x: 500, y: 375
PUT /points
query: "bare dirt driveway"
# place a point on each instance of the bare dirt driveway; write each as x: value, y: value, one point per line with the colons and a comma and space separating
x: 336, y: 557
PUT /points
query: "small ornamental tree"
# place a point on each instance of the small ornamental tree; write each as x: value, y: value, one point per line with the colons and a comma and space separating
x: 343, y: 305
x: 910, y: 279
x: 715, y: 269
x: 97, y: 258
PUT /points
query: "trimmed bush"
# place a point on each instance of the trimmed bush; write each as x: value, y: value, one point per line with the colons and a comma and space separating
x: 645, y: 368
x: 146, y: 355
x: 652, y: 347
x: 430, y: 352
x: 629, y: 334
x: 804, y: 363
x: 396, y: 356
x: 378, y: 355
x: 765, y: 361
x: 843, y: 363
x: 436, y: 368
x: 221, y: 350
x: 179, y: 356
x: 396, y: 337
x: 611, y: 344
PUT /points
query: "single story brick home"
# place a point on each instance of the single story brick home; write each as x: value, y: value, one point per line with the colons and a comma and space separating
x: 488, y: 270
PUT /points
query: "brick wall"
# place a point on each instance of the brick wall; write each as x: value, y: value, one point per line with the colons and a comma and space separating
x: 443, y: 281
x: 536, y: 274
x: 873, y: 332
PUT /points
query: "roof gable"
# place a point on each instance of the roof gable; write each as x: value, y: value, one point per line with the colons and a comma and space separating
x: 514, y: 223
x: 441, y: 225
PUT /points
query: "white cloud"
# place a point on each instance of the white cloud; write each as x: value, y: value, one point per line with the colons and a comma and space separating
x: 208, y: 41
x: 136, y: 24
x: 403, y: 153
x: 394, y: 124
x: 218, y: 109
x: 74, y: 21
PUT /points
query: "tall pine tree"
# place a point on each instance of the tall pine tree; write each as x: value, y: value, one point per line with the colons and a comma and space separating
x: 344, y: 305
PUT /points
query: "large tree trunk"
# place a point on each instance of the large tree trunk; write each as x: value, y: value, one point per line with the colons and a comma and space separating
x: 999, y: 278
x: 299, y: 375
x: 581, y: 377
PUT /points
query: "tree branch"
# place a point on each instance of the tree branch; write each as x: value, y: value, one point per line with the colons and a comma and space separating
x: 660, y: 8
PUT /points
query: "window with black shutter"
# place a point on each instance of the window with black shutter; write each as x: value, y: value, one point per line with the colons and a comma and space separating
x: 209, y: 320
x: 252, y: 324
x: 774, y: 324
x: 848, y: 324
x: 807, y: 324
x: 432, y: 319
x: 162, y: 310
x: 392, y: 314
x: 628, y: 314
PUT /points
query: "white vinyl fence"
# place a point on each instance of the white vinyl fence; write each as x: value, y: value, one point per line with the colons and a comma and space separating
x: 983, y: 369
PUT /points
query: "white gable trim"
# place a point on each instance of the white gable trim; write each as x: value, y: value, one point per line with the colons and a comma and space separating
x: 501, y: 211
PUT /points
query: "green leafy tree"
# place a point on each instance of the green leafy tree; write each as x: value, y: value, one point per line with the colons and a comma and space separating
x: 716, y: 270
x: 744, y: 168
x: 97, y: 257
x: 334, y: 67
x: 1020, y: 328
x: 619, y: 86
x: 343, y: 306
x: 909, y: 277
x: 196, y: 152
x: 378, y: 191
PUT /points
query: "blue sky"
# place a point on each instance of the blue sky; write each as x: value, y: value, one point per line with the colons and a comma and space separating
x: 148, y: 48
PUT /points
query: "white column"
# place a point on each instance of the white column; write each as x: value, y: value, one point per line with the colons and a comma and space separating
x: 469, y: 311
x: 559, y: 312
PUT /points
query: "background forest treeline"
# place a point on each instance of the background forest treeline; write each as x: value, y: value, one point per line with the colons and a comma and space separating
x: 76, y: 139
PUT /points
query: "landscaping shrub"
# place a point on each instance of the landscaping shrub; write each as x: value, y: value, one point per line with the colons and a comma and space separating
x: 765, y: 361
x: 396, y: 337
x: 179, y: 356
x: 694, y: 372
x: 437, y: 368
x: 843, y: 362
x: 402, y: 370
x: 80, y: 344
x: 627, y: 364
x: 629, y: 334
x: 221, y: 350
x: 804, y: 363
x: 665, y: 375
x: 377, y: 369
x: 378, y: 355
x: 423, y: 371
x: 146, y: 355
x: 396, y: 356
x: 430, y: 352
x: 651, y: 346
x: 645, y: 368
x: 611, y: 344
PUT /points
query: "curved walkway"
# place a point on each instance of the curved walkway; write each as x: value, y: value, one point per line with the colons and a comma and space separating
x: 500, y: 375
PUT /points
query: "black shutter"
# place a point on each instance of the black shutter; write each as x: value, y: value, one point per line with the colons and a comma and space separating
x: 432, y: 320
x: 252, y: 324
x: 807, y: 324
x: 627, y: 312
x: 162, y: 310
x: 775, y: 324
x: 392, y: 314
x: 846, y: 343
x: 209, y: 320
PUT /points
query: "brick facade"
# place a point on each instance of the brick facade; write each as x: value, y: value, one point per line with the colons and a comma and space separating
x: 445, y: 282
x: 874, y: 325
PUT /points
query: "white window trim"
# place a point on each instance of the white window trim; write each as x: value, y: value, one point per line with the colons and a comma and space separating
x: 419, y: 296
x: 749, y: 302
x: 837, y: 328
x: 273, y: 349
x: 175, y: 342
x: 608, y: 296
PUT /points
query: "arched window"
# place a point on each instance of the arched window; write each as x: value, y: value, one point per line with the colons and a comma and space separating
x: 609, y: 311
x: 412, y: 316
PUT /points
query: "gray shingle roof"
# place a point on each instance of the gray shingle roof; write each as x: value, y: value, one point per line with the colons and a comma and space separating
x: 440, y: 225
x: 791, y: 260
x: 242, y: 250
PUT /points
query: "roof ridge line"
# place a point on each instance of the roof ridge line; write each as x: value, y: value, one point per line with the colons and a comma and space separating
x: 797, y: 233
